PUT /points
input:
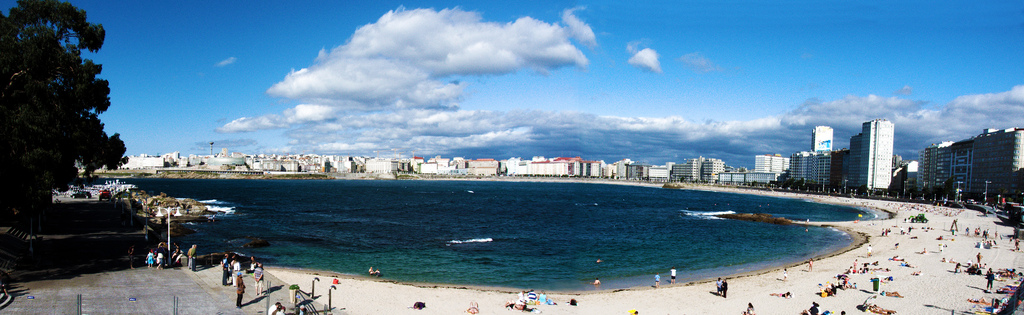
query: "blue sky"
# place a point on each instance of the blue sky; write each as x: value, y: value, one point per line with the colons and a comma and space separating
x: 654, y: 82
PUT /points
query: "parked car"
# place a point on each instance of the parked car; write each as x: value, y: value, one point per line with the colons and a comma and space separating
x: 105, y: 195
x: 81, y: 194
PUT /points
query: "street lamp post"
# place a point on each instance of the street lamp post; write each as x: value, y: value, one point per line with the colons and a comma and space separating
x: 986, y: 191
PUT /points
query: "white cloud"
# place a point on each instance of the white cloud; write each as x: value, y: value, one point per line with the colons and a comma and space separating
x: 905, y: 90
x: 578, y: 29
x: 247, y: 124
x: 496, y: 134
x: 646, y: 59
x: 225, y: 62
x: 698, y: 63
x: 401, y: 60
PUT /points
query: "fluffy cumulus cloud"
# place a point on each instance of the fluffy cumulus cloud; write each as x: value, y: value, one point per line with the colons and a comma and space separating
x: 406, y: 58
x: 502, y: 134
x: 698, y: 63
x: 646, y: 59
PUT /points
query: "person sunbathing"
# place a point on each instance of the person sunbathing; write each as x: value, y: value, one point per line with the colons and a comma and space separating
x: 892, y: 294
x: 879, y: 310
x: 916, y: 273
x: 896, y: 258
x: 782, y: 295
x: 473, y: 308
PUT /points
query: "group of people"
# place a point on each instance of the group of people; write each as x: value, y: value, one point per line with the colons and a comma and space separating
x: 161, y: 257
x: 232, y: 269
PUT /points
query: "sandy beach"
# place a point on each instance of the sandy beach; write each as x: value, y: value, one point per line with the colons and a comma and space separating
x: 936, y: 289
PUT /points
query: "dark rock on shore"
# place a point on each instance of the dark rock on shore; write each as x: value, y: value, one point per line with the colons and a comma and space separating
x: 756, y: 217
x: 177, y: 229
x: 256, y: 242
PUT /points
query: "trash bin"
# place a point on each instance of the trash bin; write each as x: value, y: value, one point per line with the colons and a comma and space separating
x: 295, y: 290
x: 874, y: 283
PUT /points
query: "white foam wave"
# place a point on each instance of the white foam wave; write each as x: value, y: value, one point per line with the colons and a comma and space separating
x: 221, y: 209
x: 706, y: 213
x: 475, y: 240
x: 213, y: 201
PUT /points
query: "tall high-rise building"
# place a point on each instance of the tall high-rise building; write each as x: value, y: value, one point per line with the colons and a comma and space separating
x: 934, y: 166
x: 871, y: 155
x: 821, y: 139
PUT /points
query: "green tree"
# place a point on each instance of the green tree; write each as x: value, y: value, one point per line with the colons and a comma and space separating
x: 50, y: 100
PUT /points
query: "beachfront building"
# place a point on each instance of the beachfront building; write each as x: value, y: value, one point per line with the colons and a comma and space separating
x: 658, y: 173
x: 381, y: 166
x: 483, y: 167
x: 934, y: 164
x: 746, y: 178
x: 771, y: 163
x: 699, y: 169
x: 839, y: 167
x: 821, y: 139
x: 871, y: 155
x: 999, y: 160
x: 812, y: 167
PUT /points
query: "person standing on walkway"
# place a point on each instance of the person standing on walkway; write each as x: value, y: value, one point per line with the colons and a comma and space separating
x: 131, y: 256
x: 979, y: 258
x: 192, y: 258
x: 236, y: 268
x: 226, y: 266
x: 257, y: 275
x: 240, y: 289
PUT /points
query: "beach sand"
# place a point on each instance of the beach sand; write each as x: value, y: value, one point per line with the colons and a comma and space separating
x: 936, y: 291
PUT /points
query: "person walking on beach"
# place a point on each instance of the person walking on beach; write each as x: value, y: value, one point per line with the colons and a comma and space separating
x: 869, y: 250
x: 673, y: 272
x: 989, y: 277
x: 785, y: 274
x: 979, y: 258
x: 725, y: 289
x: 810, y: 265
x: 240, y: 290
x: 657, y: 280
x: 718, y: 284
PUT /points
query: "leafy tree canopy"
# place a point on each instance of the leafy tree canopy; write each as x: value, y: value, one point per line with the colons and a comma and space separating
x: 50, y: 100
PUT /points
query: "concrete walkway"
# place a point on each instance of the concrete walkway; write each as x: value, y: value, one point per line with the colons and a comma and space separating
x: 81, y: 264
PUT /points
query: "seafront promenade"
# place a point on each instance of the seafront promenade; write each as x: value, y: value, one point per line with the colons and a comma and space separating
x: 81, y: 264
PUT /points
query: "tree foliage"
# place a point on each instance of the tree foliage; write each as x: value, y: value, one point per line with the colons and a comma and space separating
x: 50, y: 99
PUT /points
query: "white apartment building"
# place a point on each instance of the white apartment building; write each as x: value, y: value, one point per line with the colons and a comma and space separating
x: 871, y: 154
x: 770, y: 163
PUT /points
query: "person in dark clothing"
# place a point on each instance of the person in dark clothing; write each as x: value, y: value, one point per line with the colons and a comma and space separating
x: 725, y: 288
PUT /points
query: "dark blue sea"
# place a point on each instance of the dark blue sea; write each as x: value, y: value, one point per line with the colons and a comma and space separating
x: 504, y: 234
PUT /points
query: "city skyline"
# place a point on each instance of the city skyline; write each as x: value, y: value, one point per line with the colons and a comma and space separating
x: 603, y: 80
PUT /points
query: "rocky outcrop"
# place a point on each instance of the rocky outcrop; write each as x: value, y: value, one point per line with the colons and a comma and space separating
x: 756, y: 217
x: 255, y: 242
x: 674, y: 185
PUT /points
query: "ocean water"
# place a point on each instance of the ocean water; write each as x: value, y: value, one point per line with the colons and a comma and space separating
x: 503, y: 234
